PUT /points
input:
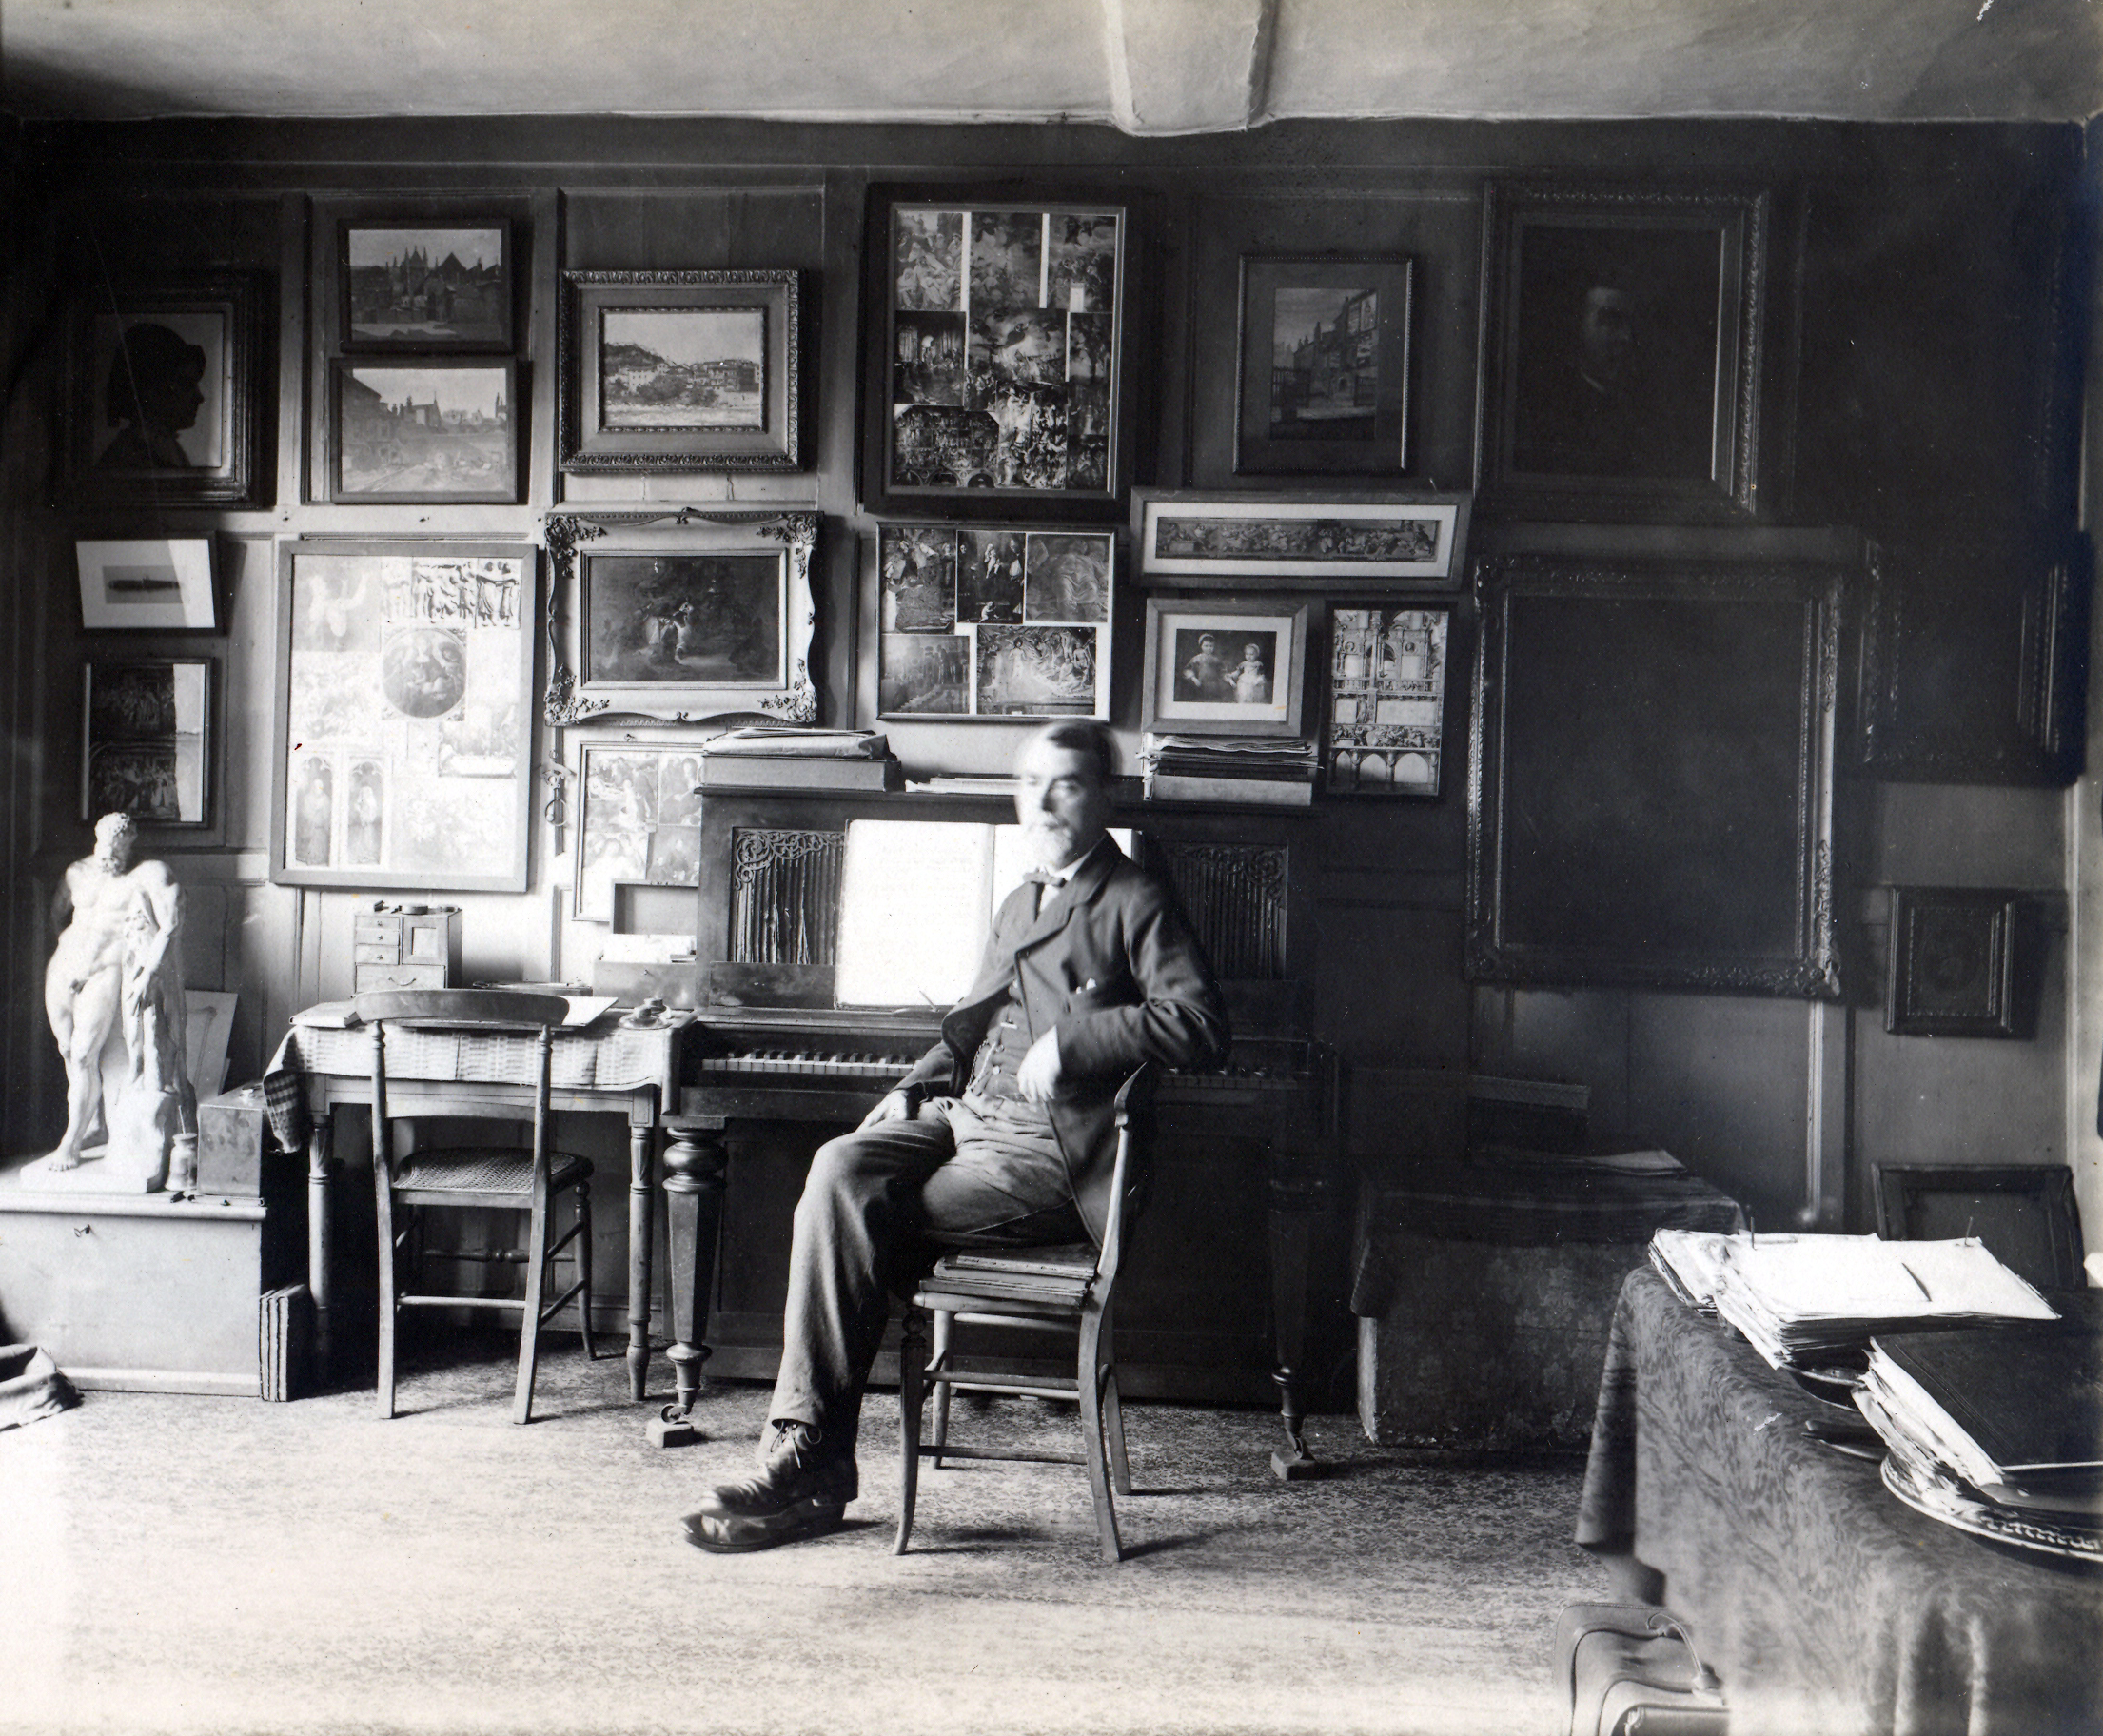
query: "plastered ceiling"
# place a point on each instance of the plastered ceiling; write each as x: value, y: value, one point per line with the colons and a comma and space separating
x: 1146, y: 66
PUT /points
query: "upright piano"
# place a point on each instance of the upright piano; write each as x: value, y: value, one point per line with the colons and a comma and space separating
x: 1242, y: 1163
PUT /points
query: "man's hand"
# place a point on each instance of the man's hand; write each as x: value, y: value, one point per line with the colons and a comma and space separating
x: 1037, y: 1077
x: 891, y: 1106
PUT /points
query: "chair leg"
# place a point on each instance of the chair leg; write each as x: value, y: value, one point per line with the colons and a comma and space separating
x: 1114, y: 1412
x: 530, y: 1322
x: 944, y: 1321
x: 583, y: 1193
x: 1089, y: 1379
x: 383, y: 1205
x: 912, y: 1347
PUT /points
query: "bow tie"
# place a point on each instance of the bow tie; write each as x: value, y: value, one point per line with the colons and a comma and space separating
x: 1041, y: 876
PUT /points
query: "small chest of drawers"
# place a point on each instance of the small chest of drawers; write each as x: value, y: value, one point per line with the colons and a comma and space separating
x: 400, y: 949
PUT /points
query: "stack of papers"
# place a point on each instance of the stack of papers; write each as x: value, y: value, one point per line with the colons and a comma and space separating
x: 1272, y: 770
x: 804, y: 743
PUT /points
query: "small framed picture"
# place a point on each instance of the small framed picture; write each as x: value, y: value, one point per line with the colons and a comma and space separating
x: 1953, y: 957
x: 993, y: 621
x: 682, y: 370
x: 1325, y: 367
x: 146, y: 741
x: 1387, y: 724
x: 165, y: 402
x: 641, y: 823
x: 1275, y: 541
x: 424, y: 286
x: 162, y: 584
x: 681, y: 618
x: 1225, y: 666
x: 411, y: 432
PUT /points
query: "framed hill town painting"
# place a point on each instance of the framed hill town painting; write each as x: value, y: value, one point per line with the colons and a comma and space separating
x: 404, y: 738
x: 997, y: 376
x: 682, y: 370
x: 411, y: 432
x: 424, y: 287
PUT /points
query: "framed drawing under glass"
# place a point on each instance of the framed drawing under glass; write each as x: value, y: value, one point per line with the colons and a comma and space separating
x: 1325, y: 367
x: 159, y: 584
x: 996, y: 380
x: 147, y: 740
x: 1225, y: 666
x: 1386, y: 717
x: 682, y: 370
x: 403, y: 740
x: 166, y: 394
x: 405, y: 285
x: 1650, y: 786
x: 1957, y: 954
x: 1622, y: 346
x: 411, y: 431
x: 993, y: 621
x: 641, y: 821
x: 681, y: 617
x: 1274, y: 542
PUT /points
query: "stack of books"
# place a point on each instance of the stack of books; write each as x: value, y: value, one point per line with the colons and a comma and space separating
x: 1997, y: 1431
x: 785, y: 757
x: 1273, y: 773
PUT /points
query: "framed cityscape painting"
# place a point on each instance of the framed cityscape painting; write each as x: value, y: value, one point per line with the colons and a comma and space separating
x: 1325, y: 367
x: 404, y: 737
x: 406, y: 285
x: 993, y: 621
x: 414, y: 431
x: 996, y: 376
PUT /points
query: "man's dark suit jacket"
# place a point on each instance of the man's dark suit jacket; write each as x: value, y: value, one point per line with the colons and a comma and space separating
x: 1111, y: 963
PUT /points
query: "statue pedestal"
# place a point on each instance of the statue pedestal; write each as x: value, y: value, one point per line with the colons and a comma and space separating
x: 92, y: 1174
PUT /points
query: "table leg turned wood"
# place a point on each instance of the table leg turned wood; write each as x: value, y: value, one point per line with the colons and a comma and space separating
x: 1297, y: 1198
x: 641, y: 1199
x: 694, y: 1161
x: 318, y: 1232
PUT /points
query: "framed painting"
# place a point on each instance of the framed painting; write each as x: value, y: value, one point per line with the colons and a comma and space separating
x: 409, y: 433
x: 147, y: 740
x: 404, y: 741
x: 997, y: 379
x: 1386, y: 717
x: 166, y: 394
x: 1225, y: 666
x: 1594, y: 857
x: 2025, y: 1213
x: 405, y: 284
x: 1956, y: 953
x: 159, y: 584
x: 1274, y: 542
x: 682, y: 370
x: 641, y: 821
x: 1622, y: 340
x: 1325, y: 367
x: 993, y: 621
x: 683, y: 616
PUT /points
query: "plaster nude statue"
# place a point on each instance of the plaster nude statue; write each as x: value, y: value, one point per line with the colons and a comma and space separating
x: 113, y: 992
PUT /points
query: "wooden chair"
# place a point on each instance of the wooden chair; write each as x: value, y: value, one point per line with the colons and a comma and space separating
x: 1061, y: 1288
x: 527, y: 1179
x: 2024, y: 1212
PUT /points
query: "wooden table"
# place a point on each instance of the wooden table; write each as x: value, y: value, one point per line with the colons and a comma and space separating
x: 605, y: 1067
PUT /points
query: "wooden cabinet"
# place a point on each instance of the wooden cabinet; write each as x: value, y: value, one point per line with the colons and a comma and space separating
x: 404, y: 949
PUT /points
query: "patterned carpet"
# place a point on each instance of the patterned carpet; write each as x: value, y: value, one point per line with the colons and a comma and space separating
x: 226, y: 1565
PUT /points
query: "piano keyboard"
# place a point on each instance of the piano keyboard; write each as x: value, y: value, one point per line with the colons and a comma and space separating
x: 879, y: 1068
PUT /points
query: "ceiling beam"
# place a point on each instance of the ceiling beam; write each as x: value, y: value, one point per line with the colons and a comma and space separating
x: 1189, y: 66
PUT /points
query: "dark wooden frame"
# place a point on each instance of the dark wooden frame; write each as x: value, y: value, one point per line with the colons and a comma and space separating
x: 507, y: 875
x: 1383, y: 452
x: 508, y: 494
x: 1975, y: 932
x: 207, y: 827
x: 1737, y: 219
x: 880, y: 494
x: 245, y: 476
x: 1334, y: 783
x: 1710, y: 644
x: 587, y: 296
x: 349, y: 343
x: 2047, y: 1189
x: 1313, y: 569
x: 1291, y: 670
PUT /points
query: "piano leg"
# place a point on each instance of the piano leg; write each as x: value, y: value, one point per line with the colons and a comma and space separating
x: 319, y: 1240
x: 1297, y: 1198
x: 694, y: 1165
x: 639, y: 1214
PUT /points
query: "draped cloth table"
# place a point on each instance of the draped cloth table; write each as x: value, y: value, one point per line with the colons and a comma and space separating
x: 1824, y: 1602
x: 606, y: 1067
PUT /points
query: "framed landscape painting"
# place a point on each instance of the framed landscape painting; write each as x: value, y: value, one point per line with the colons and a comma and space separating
x: 682, y: 370
x: 407, y: 431
x: 403, y: 740
x: 424, y: 287
x: 1325, y: 367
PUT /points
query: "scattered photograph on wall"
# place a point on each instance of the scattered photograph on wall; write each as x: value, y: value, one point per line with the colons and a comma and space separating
x: 993, y: 621
x: 1225, y: 667
x: 694, y: 370
x: 641, y: 823
x: 404, y: 737
x: 1229, y: 543
x: 424, y: 286
x: 996, y: 372
x: 411, y: 432
x: 145, y: 748
x: 155, y: 585
x: 1386, y: 701
x: 1325, y: 367
x: 164, y: 396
